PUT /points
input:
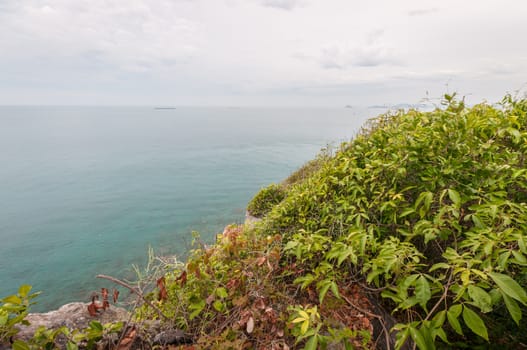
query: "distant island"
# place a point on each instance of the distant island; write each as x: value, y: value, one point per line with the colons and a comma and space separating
x: 164, y: 107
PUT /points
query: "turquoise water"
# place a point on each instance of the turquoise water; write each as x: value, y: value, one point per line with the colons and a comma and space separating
x: 86, y: 190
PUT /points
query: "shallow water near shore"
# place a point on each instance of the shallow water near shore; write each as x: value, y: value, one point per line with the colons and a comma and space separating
x: 86, y: 190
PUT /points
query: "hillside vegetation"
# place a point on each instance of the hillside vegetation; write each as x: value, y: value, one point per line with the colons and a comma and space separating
x: 413, y: 234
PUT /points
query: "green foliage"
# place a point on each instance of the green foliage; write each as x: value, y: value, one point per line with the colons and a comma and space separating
x: 265, y: 200
x: 13, y: 312
x: 428, y: 207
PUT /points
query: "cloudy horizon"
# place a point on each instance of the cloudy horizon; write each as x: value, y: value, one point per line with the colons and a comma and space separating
x: 258, y: 52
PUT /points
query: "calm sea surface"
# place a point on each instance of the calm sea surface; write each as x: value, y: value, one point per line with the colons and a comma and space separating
x: 86, y: 190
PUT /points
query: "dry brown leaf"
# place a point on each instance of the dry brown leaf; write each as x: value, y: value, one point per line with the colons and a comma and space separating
x: 163, y: 295
x: 259, y: 304
x: 115, y: 295
x: 261, y: 260
x: 92, y: 309
x: 182, y: 278
x: 128, y: 339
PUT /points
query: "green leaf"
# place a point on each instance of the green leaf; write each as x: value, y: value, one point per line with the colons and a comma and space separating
x: 335, y: 289
x: 12, y: 299
x: 24, y: 290
x: 475, y: 323
x: 312, y: 343
x: 71, y: 346
x: 439, y: 319
x: 96, y: 325
x: 452, y: 315
x: 290, y: 245
x: 407, y: 212
x: 509, y: 286
x: 401, y: 337
x: 323, y: 290
x: 304, y: 327
x: 222, y: 292
x: 513, y: 307
x: 218, y: 305
x: 20, y: 345
x: 480, y: 298
x: 4, y: 316
x: 454, y: 197
x: 418, y: 338
x: 422, y: 291
x: 440, y: 265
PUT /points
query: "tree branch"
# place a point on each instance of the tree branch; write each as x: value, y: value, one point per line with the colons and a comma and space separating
x: 135, y: 291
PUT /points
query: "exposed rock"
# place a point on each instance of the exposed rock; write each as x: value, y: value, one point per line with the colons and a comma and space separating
x: 171, y: 336
x: 73, y: 316
x: 251, y: 220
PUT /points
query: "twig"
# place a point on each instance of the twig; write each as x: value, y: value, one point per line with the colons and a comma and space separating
x: 135, y: 291
x: 443, y: 297
x: 366, y: 312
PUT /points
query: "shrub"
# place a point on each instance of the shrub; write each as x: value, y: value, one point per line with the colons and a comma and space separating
x: 265, y: 200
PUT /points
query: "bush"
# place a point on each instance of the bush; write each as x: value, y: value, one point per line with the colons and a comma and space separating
x: 429, y: 209
x: 265, y: 200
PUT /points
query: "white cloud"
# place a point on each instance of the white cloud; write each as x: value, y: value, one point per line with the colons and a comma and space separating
x: 371, y: 51
x: 423, y: 11
x: 282, y: 4
x: 132, y: 35
x: 256, y: 52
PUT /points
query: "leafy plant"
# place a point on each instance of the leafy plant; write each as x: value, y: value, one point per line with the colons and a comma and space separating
x: 13, y: 312
x: 265, y: 200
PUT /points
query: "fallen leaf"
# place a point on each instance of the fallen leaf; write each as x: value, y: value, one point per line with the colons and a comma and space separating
x: 250, y: 325
x: 128, y: 339
x: 259, y: 304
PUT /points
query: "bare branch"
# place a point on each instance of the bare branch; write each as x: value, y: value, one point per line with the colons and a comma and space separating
x: 135, y: 291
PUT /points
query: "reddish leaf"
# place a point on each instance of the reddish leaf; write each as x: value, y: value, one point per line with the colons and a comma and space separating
x: 115, y: 295
x: 182, y: 278
x: 104, y: 293
x: 128, y: 339
x: 232, y: 284
x: 105, y: 303
x: 92, y: 309
x: 163, y: 295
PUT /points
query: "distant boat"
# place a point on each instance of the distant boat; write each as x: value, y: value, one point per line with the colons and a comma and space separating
x: 164, y: 107
x: 348, y: 106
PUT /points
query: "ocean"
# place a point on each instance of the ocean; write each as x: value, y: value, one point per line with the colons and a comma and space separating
x: 87, y: 190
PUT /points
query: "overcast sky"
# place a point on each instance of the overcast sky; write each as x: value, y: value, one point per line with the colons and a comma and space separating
x: 259, y: 52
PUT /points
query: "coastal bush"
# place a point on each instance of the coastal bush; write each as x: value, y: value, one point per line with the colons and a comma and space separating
x: 265, y: 200
x: 430, y: 210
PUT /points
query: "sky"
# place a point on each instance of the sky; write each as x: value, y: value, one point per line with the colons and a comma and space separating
x: 259, y: 52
